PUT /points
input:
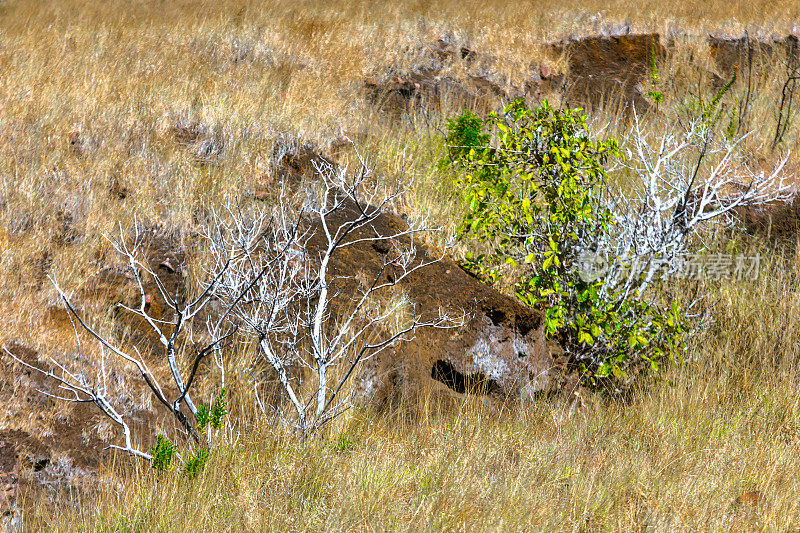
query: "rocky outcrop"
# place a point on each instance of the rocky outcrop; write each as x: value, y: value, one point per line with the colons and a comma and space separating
x: 427, y: 88
x: 48, y: 447
x: 603, y: 69
x: 610, y: 69
x: 431, y: 85
x: 500, y: 351
x: 729, y: 53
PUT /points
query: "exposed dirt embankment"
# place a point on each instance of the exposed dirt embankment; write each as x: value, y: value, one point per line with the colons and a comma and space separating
x: 610, y: 69
x: 598, y: 71
x: 46, y: 447
x: 49, y: 446
x: 500, y: 351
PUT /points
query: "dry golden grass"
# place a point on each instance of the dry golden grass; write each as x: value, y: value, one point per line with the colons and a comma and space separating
x: 673, y: 456
x: 124, y: 75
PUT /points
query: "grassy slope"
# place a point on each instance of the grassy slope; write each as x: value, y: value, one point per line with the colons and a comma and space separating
x: 672, y: 456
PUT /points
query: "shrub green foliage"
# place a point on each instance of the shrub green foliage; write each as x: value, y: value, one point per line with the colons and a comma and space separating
x: 212, y: 415
x: 535, y: 198
x: 196, y: 463
x: 465, y: 132
x: 655, y: 79
x: 163, y: 453
x: 713, y: 111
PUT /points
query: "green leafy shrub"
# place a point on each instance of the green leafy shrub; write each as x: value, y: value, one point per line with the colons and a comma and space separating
x: 534, y: 198
x: 163, y: 453
x: 464, y: 133
x: 655, y: 79
x: 212, y: 416
x: 196, y: 463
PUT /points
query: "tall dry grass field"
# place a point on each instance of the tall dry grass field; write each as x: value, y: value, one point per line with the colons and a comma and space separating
x: 146, y: 110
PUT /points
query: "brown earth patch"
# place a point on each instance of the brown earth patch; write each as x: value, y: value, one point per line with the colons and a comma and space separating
x: 48, y: 447
x: 102, y: 294
x: 778, y: 222
x: 729, y: 53
x: 601, y: 71
x: 431, y: 86
x: 500, y: 352
x: 605, y: 70
x: 428, y: 89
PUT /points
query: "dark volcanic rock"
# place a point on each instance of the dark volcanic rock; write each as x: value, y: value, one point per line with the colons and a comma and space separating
x: 729, y: 53
x: 501, y: 350
x: 426, y: 88
x: 47, y: 448
x: 610, y: 69
x: 429, y: 85
x: 778, y: 222
x: 294, y: 160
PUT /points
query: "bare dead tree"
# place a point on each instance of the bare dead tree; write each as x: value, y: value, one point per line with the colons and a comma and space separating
x: 312, y: 326
x: 672, y: 188
x: 269, y: 276
x: 180, y: 333
x: 787, y: 96
x: 679, y: 181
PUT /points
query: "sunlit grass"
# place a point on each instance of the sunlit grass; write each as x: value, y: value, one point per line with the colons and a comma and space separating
x: 120, y: 77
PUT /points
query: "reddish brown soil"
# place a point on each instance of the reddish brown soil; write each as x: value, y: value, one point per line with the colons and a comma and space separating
x: 500, y: 351
x: 56, y: 450
x: 742, y: 52
x: 426, y: 89
x: 113, y: 285
x: 602, y: 70
x: 779, y: 223
x: 609, y: 70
